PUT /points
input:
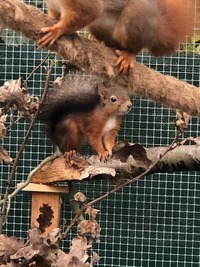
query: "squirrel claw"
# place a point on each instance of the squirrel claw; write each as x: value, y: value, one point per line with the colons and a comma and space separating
x: 105, y: 156
x: 52, y: 34
x: 125, y: 61
x: 69, y: 154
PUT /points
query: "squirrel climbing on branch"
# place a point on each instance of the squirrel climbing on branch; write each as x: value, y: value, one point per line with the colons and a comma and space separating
x: 124, y: 25
x: 85, y: 107
x: 131, y: 25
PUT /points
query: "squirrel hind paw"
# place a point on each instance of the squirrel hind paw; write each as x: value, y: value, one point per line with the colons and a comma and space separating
x: 104, y: 156
x: 125, y: 60
x: 69, y: 154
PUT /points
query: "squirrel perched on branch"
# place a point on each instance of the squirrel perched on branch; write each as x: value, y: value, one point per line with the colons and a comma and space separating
x: 85, y: 107
x: 125, y: 25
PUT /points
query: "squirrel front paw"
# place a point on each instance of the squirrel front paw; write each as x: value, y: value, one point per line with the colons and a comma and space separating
x: 52, y: 34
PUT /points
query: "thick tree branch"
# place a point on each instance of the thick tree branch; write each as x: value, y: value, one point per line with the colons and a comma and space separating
x: 131, y: 160
x: 96, y: 58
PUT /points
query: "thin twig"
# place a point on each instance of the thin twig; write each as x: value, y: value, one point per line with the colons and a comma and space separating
x: 36, y: 68
x: 127, y: 182
x: 12, y: 123
x: 10, y: 178
x: 31, y: 174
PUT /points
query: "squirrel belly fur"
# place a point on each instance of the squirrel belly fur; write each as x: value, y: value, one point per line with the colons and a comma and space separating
x: 85, y: 107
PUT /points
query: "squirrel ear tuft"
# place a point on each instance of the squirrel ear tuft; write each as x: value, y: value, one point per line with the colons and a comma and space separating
x: 106, y: 83
x: 102, y: 90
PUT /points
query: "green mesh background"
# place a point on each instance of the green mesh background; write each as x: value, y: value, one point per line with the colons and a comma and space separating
x: 154, y: 222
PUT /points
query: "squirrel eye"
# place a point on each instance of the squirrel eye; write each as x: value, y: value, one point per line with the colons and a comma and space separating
x: 113, y: 99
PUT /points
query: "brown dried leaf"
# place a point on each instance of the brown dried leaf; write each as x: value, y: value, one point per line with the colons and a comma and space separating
x: 62, y: 259
x: 26, y: 253
x: 2, y: 26
x: 197, y: 140
x: 35, y: 237
x: 80, y: 197
x: 91, y: 212
x: 75, y: 262
x: 9, y: 245
x: 68, y: 260
x: 95, y: 258
x: 4, y: 156
x: 9, y: 264
x: 33, y: 249
x: 89, y: 227
x: 13, y: 95
x: 77, y: 256
x: 3, y: 130
x: 53, y: 237
x: 38, y: 248
x: 79, y: 247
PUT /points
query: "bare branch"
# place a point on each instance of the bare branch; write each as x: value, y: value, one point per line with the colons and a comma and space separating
x: 131, y: 160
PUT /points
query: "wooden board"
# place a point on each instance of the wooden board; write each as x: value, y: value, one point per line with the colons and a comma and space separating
x: 44, y: 188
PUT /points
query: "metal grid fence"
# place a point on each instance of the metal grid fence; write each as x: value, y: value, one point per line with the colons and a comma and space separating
x: 152, y: 223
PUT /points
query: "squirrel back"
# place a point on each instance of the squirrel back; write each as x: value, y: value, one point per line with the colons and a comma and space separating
x: 85, y: 107
x: 159, y: 25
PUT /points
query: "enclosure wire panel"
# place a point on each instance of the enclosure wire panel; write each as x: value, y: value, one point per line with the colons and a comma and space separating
x: 151, y: 223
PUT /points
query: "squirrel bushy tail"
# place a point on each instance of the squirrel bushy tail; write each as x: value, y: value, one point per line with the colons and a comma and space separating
x: 73, y: 93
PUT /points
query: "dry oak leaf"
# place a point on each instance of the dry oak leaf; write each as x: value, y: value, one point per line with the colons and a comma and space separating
x: 14, y: 95
x: 36, y: 246
x: 9, y: 245
x: 77, y: 256
x: 68, y: 260
x: 91, y: 212
x: 3, y: 130
x: 4, y: 156
x: 90, y: 227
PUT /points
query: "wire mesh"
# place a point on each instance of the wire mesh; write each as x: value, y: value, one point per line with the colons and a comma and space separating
x: 154, y: 222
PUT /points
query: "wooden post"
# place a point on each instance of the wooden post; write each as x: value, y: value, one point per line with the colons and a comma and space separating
x: 46, y: 205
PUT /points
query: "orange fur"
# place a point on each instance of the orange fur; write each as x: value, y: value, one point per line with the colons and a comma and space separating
x: 176, y: 22
x: 158, y: 25
x: 73, y: 15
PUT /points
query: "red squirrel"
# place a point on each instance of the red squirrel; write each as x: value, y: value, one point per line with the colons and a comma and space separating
x: 131, y: 25
x: 125, y: 25
x: 85, y: 107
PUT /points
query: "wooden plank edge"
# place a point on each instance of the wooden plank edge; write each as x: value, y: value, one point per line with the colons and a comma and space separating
x: 44, y: 188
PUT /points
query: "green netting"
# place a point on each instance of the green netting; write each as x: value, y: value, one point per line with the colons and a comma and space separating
x: 154, y: 222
